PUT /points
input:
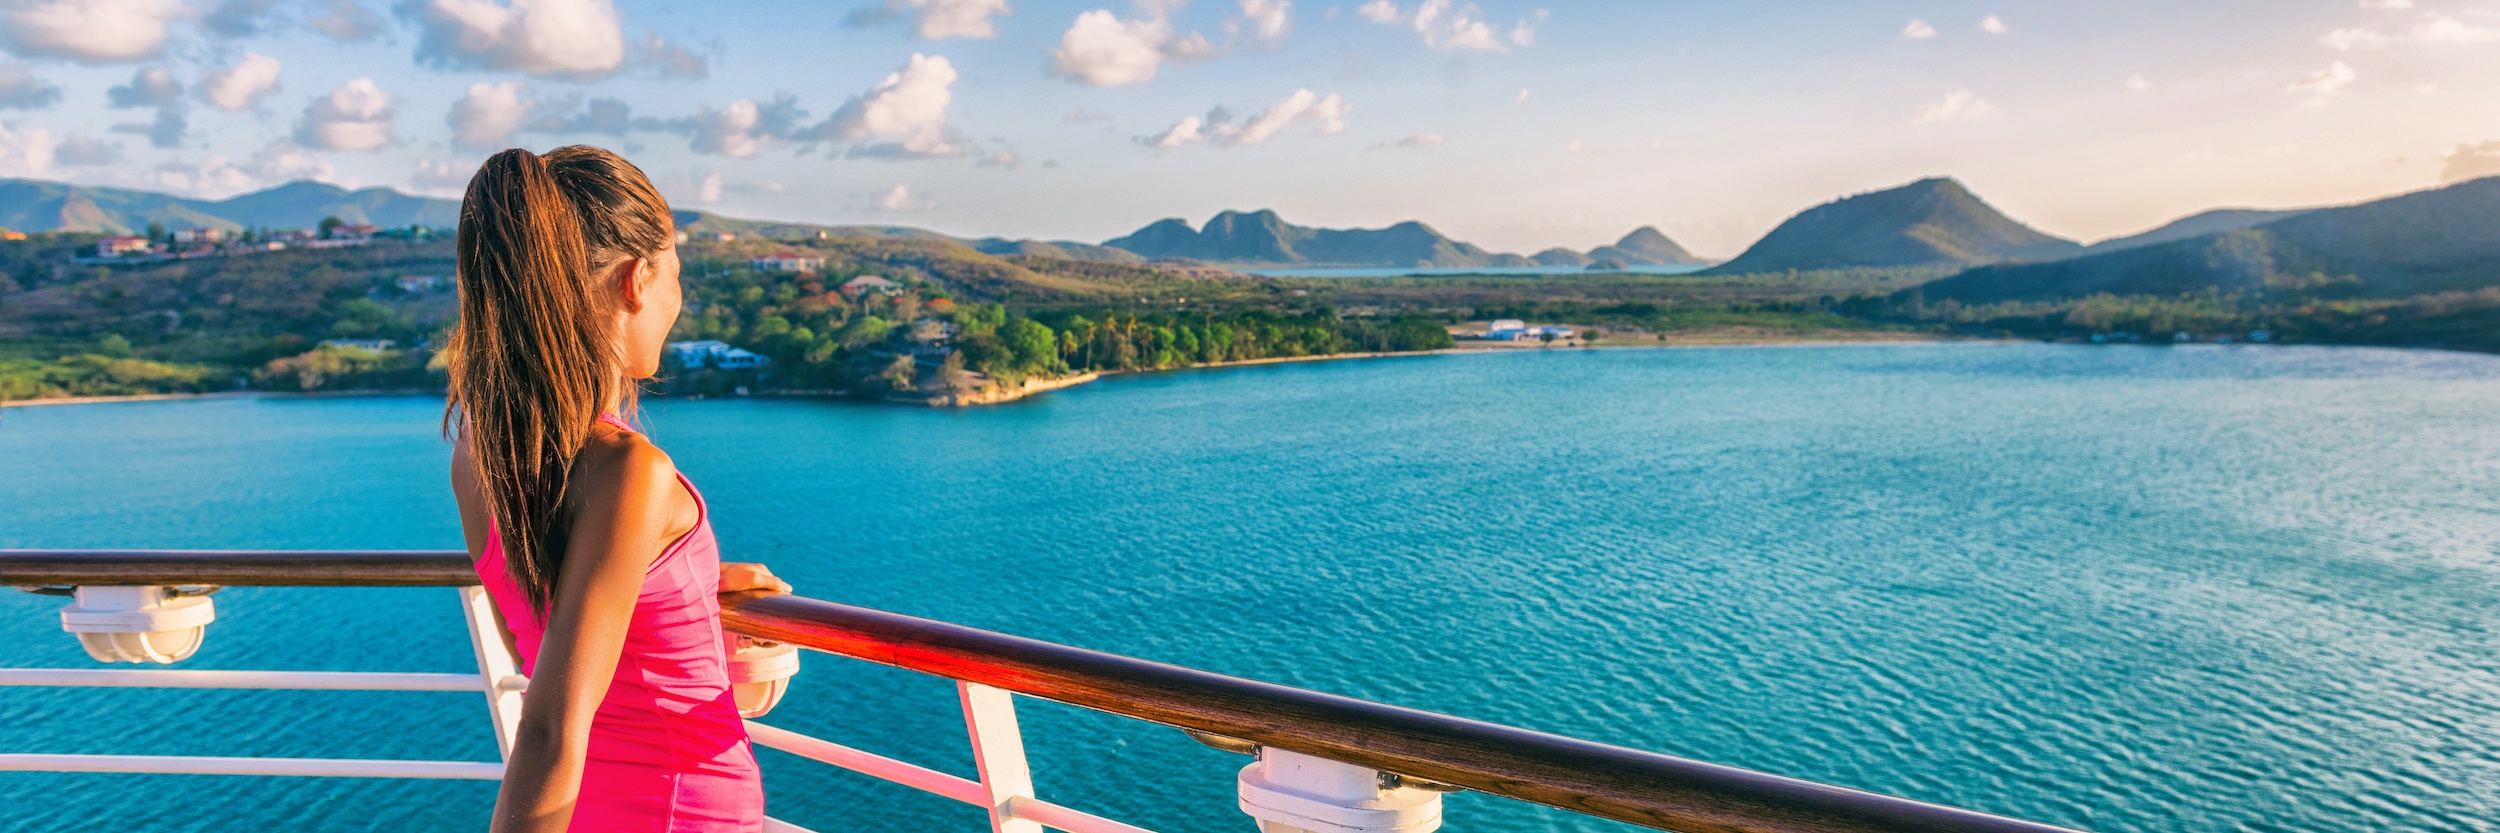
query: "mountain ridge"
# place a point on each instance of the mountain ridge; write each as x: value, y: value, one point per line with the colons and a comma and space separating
x: 2428, y: 241
x: 43, y: 205
x: 1264, y: 238
x: 1930, y: 222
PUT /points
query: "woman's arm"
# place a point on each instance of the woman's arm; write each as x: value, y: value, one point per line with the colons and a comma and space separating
x: 626, y: 497
x: 471, y: 498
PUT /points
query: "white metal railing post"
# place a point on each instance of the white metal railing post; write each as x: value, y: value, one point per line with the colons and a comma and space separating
x: 998, y: 752
x: 496, y: 664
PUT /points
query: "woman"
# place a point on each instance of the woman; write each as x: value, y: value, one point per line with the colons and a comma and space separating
x: 598, y: 554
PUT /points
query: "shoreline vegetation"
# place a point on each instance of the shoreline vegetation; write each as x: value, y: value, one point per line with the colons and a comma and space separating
x: 1032, y: 387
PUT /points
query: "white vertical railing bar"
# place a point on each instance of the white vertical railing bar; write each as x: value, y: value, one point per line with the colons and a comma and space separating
x: 871, y: 764
x: 187, y: 678
x: 998, y: 752
x: 498, y: 671
x: 201, y: 765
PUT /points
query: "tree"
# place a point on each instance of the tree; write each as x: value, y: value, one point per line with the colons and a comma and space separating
x: 1033, y: 345
x: 1593, y: 335
x: 330, y: 224
x: 900, y: 372
x: 156, y: 233
x: 951, y: 372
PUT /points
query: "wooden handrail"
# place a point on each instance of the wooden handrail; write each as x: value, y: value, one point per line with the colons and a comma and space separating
x: 238, y: 568
x: 1596, y: 779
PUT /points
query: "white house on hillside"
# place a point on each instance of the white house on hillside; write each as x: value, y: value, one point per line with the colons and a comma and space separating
x: 713, y: 354
x: 786, y: 262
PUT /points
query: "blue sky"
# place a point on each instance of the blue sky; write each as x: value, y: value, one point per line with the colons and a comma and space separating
x: 1518, y: 125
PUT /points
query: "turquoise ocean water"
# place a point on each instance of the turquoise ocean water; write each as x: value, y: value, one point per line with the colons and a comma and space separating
x: 2123, y: 589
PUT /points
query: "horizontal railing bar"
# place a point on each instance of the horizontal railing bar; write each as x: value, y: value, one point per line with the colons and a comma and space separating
x: 238, y: 568
x: 198, y: 765
x: 1057, y: 817
x: 910, y: 775
x: 930, y: 781
x: 293, y: 680
x: 1628, y: 785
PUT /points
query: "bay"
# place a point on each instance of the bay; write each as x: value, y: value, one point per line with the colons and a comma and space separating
x: 2116, y: 588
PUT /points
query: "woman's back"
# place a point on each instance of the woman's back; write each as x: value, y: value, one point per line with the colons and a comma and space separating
x: 667, y: 750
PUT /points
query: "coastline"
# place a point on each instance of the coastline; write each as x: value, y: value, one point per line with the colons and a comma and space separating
x: 1037, y: 386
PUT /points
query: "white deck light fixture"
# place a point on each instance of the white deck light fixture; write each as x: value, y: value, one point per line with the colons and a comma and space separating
x: 1290, y: 792
x: 759, y: 673
x: 140, y: 624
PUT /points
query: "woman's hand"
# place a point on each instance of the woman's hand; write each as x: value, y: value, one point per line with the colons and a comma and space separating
x: 739, y: 577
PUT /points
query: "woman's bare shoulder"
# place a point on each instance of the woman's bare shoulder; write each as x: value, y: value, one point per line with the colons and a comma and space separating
x: 622, y: 465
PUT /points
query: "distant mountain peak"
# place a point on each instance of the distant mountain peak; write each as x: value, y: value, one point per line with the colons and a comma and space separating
x: 1930, y: 222
x: 1264, y: 237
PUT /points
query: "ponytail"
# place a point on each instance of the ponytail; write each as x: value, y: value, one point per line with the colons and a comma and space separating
x: 534, y: 358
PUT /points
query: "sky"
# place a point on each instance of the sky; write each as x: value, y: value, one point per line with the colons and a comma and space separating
x: 1514, y: 125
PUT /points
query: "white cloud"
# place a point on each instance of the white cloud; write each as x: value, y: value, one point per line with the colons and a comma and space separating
x: 1418, y: 141
x: 486, y: 117
x: 1522, y: 99
x: 86, y: 151
x: 1445, y: 27
x: 238, y: 87
x: 709, y: 189
x: 88, y: 31
x: 218, y: 176
x: 1994, y: 25
x: 25, y: 151
x: 901, y: 198
x: 2347, y: 40
x: 1188, y: 131
x: 1918, y: 30
x: 347, y: 21
x: 2387, y: 4
x: 356, y: 116
x: 2445, y: 29
x: 1327, y: 114
x: 669, y: 60
x: 729, y: 131
x: 1959, y: 105
x: 437, y: 177
x: 941, y: 19
x: 2138, y: 83
x: 1103, y: 50
x: 1267, y: 19
x: 2471, y: 162
x: 148, y: 87
x: 21, y: 90
x: 907, y: 110
x: 2323, y: 83
x: 575, y: 39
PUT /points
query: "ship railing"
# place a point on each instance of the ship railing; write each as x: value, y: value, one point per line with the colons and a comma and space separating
x: 1321, y: 762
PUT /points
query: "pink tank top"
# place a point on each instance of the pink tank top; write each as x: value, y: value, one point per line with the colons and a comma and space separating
x: 668, y: 752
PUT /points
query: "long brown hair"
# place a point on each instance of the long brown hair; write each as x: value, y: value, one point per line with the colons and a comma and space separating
x: 534, y: 358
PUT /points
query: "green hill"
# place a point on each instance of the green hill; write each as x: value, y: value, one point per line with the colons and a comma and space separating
x: 1263, y: 238
x: 1645, y: 246
x: 2425, y: 242
x: 2195, y: 225
x: 1927, y: 223
x: 36, y: 205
